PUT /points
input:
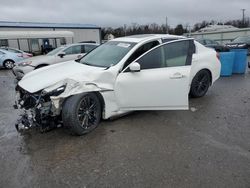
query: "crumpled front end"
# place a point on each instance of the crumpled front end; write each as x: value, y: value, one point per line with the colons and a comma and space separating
x: 43, y: 108
x: 38, y: 109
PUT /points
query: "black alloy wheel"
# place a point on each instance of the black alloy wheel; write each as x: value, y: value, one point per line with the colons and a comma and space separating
x: 82, y: 113
x: 87, y: 112
x: 200, y: 84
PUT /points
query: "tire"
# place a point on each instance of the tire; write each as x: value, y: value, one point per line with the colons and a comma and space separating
x: 81, y: 113
x: 200, y: 84
x: 8, y: 64
x: 40, y: 66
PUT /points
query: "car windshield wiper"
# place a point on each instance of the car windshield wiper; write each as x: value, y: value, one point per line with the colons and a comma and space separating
x: 86, y: 63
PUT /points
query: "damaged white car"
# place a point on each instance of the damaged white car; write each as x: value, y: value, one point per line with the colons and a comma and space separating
x: 141, y: 72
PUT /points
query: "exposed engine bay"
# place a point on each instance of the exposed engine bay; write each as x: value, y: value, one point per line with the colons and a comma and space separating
x: 38, y: 110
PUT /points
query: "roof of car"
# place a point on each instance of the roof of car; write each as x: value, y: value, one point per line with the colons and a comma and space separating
x: 74, y: 44
x: 143, y: 37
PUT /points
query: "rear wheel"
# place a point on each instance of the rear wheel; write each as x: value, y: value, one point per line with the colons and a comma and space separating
x: 81, y: 113
x: 200, y: 84
x: 9, y: 64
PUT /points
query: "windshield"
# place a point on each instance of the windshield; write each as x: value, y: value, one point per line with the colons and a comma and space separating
x: 55, y: 51
x: 242, y: 39
x: 108, y: 54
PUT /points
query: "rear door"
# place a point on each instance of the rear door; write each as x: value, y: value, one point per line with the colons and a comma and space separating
x: 163, y: 81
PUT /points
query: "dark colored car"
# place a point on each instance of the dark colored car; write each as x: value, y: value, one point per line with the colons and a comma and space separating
x: 240, y: 43
x: 213, y: 44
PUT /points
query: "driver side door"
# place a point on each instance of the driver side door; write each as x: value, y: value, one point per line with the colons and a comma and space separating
x: 162, y: 82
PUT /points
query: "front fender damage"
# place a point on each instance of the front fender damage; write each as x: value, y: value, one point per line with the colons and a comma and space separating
x: 74, y: 87
x: 46, y: 113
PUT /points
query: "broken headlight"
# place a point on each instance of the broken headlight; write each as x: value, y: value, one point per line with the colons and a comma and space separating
x: 54, y: 92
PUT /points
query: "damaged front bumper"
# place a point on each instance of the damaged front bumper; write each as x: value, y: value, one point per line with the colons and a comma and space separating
x: 38, y: 111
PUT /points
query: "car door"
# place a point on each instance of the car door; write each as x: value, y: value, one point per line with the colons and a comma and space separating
x: 163, y: 81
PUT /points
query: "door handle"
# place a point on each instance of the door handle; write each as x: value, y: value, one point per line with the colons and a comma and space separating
x: 177, y: 76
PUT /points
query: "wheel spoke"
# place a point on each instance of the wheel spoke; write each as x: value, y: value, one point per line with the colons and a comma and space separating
x: 204, y: 79
x: 87, y: 112
x: 85, y: 121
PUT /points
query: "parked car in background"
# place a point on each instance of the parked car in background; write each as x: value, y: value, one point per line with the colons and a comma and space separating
x: 138, y: 72
x: 240, y: 43
x: 213, y: 44
x: 19, y: 52
x: 9, y: 58
x: 58, y: 55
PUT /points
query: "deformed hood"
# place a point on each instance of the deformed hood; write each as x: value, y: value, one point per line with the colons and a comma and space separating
x: 48, y: 76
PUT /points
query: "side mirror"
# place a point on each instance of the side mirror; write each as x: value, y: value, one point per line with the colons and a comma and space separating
x: 61, y: 54
x: 135, y: 67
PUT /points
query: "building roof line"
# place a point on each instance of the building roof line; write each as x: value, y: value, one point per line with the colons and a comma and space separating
x: 47, y: 25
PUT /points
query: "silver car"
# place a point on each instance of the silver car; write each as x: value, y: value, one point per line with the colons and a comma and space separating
x: 58, y: 55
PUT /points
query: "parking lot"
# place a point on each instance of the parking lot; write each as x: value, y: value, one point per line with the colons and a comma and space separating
x: 207, y: 146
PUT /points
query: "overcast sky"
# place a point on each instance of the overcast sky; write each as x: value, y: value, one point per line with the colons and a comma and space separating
x: 113, y: 13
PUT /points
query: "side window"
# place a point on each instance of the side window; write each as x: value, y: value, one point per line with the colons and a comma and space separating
x: 73, y: 50
x: 89, y: 48
x: 177, y: 54
x: 141, y: 50
x: 152, y: 60
x: 169, y: 55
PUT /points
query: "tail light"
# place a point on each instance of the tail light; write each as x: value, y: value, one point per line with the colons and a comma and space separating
x: 25, y: 55
x: 29, y: 55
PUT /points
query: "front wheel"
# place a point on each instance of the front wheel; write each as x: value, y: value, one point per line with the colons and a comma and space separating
x: 81, y: 113
x: 200, y: 84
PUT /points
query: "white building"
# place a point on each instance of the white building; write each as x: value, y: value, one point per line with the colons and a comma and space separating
x: 219, y: 33
x: 29, y: 36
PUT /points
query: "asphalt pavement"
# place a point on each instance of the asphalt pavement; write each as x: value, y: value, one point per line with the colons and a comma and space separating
x: 206, y: 146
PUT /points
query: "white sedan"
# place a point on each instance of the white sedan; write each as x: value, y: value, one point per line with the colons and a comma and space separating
x: 141, y: 72
x: 58, y: 55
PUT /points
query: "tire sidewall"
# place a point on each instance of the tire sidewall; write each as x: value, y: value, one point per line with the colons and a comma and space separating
x: 70, y: 114
x: 193, y: 92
